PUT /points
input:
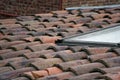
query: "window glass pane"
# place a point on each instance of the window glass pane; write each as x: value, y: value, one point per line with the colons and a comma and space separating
x: 110, y: 35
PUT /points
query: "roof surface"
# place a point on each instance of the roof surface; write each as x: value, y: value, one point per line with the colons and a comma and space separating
x: 28, y: 50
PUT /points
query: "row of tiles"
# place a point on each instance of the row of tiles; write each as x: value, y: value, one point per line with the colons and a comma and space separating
x: 28, y: 50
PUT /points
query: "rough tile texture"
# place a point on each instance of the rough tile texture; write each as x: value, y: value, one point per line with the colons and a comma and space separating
x: 28, y: 50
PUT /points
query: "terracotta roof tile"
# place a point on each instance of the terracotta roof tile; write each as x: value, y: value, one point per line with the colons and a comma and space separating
x: 8, y: 21
x: 29, y: 39
x: 93, y: 58
x: 64, y: 12
x: 98, y: 16
x: 6, y: 61
x: 115, y: 20
x: 96, y: 24
x: 81, y: 20
x: 107, y: 70
x: 60, y: 76
x: 111, y: 62
x: 51, y: 24
x: 54, y: 54
x: 14, y: 38
x: 33, y: 27
x: 28, y: 50
x: 10, y: 26
x: 5, y: 51
x: 17, y: 31
x: 5, y: 69
x: 75, y: 48
x: 58, y: 48
x: 20, y: 78
x: 8, y: 44
x: 86, y: 68
x: 40, y: 47
x: 116, y: 50
x: 23, y: 63
x: 87, y: 14
x: 66, y: 65
x: 36, y: 54
x: 52, y: 34
x: 53, y: 70
x: 46, y: 63
x: 47, y: 39
x: 37, y: 33
x: 44, y: 15
x: 14, y: 73
x: 27, y: 23
x: 73, y: 12
x: 13, y: 54
x: 114, y: 15
x: 23, y: 46
x: 29, y: 75
x: 88, y: 76
x: 111, y: 76
x: 36, y: 74
x: 73, y: 56
x: 25, y: 18
x: 97, y: 50
x: 66, y: 34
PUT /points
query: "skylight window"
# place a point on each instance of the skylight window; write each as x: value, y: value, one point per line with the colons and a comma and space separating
x: 93, y: 7
x: 105, y: 37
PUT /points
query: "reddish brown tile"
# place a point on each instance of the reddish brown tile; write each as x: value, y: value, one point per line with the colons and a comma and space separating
x: 75, y: 48
x: 23, y: 46
x: 111, y: 76
x: 5, y: 69
x: 8, y: 21
x: 107, y: 70
x: 40, y: 47
x: 53, y: 70
x: 88, y: 76
x: 60, y: 76
x: 14, y: 73
x: 73, y: 56
x: 14, y: 38
x: 13, y: 54
x: 23, y: 63
x: 6, y: 61
x: 44, y: 15
x: 46, y: 63
x: 10, y: 26
x: 54, y: 54
x: 116, y: 50
x: 8, y: 44
x: 98, y: 16
x: 86, y: 68
x: 37, y: 74
x: 66, y: 65
x: 25, y: 18
x: 93, y: 58
x: 66, y: 25
x: 111, y: 62
x: 36, y: 54
x: 27, y: 23
x: 47, y: 39
x: 29, y: 75
x: 58, y: 48
x: 51, y: 24
x: 64, y: 12
x: 29, y: 39
x: 5, y: 51
x: 21, y: 78
x: 96, y: 50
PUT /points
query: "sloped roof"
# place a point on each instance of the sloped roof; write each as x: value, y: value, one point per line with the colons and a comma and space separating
x: 28, y: 50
